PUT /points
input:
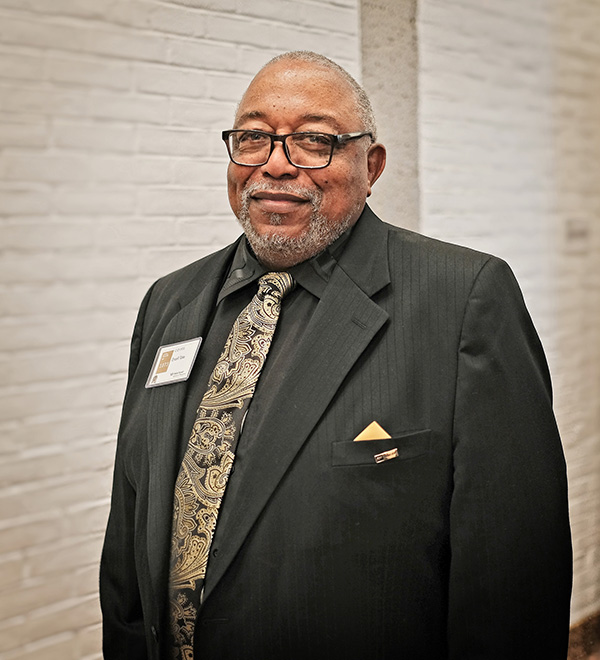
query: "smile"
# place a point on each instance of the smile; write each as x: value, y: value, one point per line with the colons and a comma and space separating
x: 276, y: 196
x: 277, y: 202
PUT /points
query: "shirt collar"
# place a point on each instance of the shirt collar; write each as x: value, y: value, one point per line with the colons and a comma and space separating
x: 312, y: 274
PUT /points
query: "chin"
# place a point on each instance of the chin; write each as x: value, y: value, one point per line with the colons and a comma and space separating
x: 275, y: 247
x: 277, y: 226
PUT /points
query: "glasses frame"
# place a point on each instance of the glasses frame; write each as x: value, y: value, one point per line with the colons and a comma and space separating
x: 336, y: 141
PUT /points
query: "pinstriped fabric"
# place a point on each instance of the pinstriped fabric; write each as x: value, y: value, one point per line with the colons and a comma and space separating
x: 207, y: 463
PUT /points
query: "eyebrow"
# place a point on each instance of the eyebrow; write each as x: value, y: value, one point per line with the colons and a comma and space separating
x: 257, y: 114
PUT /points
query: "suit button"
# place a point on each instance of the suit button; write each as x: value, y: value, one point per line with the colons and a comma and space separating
x: 215, y: 552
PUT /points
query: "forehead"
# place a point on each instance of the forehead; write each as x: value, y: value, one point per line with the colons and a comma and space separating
x: 300, y: 91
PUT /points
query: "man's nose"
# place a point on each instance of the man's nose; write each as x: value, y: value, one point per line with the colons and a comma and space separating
x: 278, y: 164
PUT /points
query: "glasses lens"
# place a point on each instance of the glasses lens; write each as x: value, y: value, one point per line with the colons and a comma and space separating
x: 249, y: 147
x: 304, y: 149
x: 310, y: 149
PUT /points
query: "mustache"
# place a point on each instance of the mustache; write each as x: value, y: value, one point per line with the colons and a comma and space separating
x: 313, y: 196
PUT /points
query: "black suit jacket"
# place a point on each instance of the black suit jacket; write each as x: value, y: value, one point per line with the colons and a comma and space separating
x: 459, y: 548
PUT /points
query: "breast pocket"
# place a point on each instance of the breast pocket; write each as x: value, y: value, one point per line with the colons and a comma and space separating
x: 379, y: 452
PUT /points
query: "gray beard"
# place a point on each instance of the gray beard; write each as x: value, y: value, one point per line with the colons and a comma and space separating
x: 276, y: 251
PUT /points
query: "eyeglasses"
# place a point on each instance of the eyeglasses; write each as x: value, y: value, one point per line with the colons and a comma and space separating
x: 310, y: 151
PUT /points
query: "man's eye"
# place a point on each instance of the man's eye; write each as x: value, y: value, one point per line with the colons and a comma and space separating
x: 250, y: 136
x: 317, y: 138
x: 312, y: 140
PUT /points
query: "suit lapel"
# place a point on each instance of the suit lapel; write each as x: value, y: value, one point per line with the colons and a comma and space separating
x: 344, y: 323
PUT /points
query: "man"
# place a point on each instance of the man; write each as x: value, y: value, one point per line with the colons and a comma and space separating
x: 441, y: 531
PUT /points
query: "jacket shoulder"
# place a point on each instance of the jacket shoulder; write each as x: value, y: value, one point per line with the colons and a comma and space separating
x: 426, y: 247
x: 450, y: 270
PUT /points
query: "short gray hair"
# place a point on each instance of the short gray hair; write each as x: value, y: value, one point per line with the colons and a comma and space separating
x: 363, y: 104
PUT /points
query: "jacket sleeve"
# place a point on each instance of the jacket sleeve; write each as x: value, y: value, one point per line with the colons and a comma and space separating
x: 123, y: 623
x: 511, y: 560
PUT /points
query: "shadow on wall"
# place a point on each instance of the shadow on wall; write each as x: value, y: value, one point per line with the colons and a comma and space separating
x: 584, y: 640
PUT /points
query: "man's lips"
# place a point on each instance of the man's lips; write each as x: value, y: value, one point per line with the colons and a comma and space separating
x: 278, y: 196
x: 278, y: 202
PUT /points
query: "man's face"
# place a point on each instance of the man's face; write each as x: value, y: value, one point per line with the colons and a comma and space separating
x: 289, y: 214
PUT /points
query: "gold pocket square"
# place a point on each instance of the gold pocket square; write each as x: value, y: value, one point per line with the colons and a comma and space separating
x: 376, y: 432
x: 373, y: 432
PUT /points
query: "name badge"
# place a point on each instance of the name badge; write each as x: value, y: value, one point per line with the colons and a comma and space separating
x: 173, y: 362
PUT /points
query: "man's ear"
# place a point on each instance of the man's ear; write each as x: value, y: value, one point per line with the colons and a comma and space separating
x: 375, y: 163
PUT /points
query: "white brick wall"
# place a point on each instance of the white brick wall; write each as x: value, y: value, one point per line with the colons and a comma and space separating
x: 510, y: 163
x: 112, y: 172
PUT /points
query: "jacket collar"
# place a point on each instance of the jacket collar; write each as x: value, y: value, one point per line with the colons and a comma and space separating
x: 365, y: 257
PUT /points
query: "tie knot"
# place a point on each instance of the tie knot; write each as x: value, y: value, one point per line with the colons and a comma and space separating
x: 276, y: 285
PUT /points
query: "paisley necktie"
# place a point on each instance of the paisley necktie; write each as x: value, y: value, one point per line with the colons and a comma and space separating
x: 208, y: 459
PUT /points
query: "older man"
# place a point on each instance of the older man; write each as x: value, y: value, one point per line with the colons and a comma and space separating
x: 337, y: 439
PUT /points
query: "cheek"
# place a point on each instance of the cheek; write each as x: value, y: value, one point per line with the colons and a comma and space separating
x: 343, y: 197
x: 235, y: 186
x: 233, y: 177
x: 343, y: 182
